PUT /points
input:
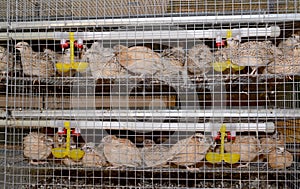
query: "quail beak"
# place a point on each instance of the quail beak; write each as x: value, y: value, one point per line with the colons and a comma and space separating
x: 296, y: 36
x: 18, y: 47
x: 297, y: 46
x: 49, y: 142
x: 280, y: 150
x: 276, y: 136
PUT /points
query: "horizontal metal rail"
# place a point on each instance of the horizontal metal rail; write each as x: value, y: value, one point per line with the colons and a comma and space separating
x: 259, y: 18
x: 159, y: 114
x: 273, y: 31
x: 148, y: 120
x: 267, y: 127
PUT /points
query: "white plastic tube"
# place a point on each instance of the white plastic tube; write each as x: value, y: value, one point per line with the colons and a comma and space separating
x: 273, y: 31
x: 267, y: 127
x: 140, y: 114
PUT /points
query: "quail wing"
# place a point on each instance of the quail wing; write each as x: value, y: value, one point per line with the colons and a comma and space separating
x: 246, y: 146
x: 138, y: 59
x: 102, y: 61
x: 252, y: 53
x: 155, y: 155
x: 288, y: 64
x: 121, y: 152
x: 190, y: 151
x: 6, y: 60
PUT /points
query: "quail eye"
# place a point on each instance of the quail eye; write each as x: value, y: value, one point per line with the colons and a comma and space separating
x: 201, y: 139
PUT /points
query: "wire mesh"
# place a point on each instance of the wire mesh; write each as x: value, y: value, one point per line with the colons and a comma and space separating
x: 149, y: 103
x: 27, y: 10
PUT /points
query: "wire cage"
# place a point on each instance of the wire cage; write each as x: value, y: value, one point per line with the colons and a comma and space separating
x: 149, y: 94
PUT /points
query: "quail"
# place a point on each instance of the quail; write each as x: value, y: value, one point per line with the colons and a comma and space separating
x: 121, y: 152
x: 199, y: 59
x: 102, y: 62
x: 37, y: 147
x: 252, y: 53
x: 155, y: 155
x: 247, y: 146
x: 35, y: 63
x: 189, y: 151
x: 6, y: 60
x: 287, y: 64
x: 94, y: 156
x: 139, y: 60
x: 279, y: 158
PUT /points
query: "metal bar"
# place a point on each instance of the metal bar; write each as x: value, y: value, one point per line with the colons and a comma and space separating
x: 72, y: 39
x: 153, y: 21
x: 21, y: 101
x: 157, y: 114
x: 27, y: 35
x: 147, y: 126
x: 273, y: 31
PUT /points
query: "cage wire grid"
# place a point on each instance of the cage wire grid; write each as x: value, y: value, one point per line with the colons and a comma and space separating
x: 149, y: 94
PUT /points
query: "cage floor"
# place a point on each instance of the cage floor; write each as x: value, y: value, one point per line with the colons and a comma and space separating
x: 97, y: 181
x: 19, y: 172
x: 13, y: 159
x: 236, y: 78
